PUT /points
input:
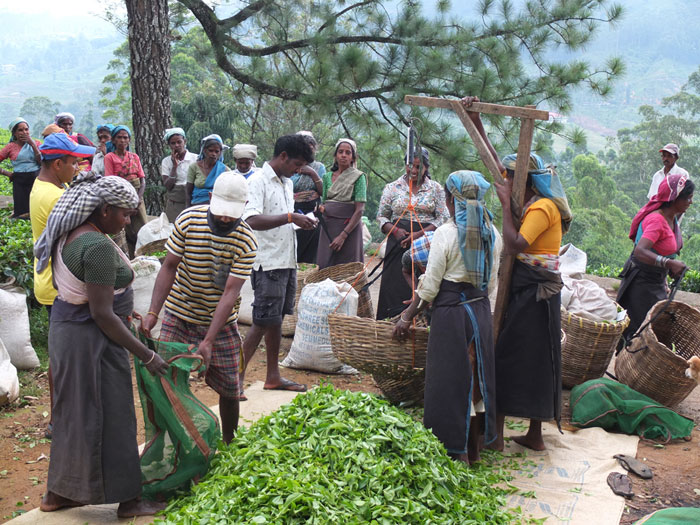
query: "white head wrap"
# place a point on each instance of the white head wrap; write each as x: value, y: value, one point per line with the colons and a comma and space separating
x: 245, y: 151
x: 58, y: 118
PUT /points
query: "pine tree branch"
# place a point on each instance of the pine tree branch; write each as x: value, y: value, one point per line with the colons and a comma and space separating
x: 337, y: 15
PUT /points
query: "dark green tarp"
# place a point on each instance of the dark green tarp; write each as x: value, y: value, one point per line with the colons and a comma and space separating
x: 677, y: 516
x: 613, y: 406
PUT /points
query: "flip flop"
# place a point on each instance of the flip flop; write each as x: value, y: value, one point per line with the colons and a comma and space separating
x: 287, y: 384
x: 634, y: 465
x: 620, y: 484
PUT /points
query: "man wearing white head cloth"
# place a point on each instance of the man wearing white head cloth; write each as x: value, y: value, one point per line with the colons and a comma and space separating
x: 173, y: 171
x: 245, y: 155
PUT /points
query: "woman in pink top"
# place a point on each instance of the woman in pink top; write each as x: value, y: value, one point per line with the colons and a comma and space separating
x: 657, y: 240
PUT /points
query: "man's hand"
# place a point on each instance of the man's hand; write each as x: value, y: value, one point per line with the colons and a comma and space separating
x: 147, y: 324
x: 304, y: 222
x: 204, y: 349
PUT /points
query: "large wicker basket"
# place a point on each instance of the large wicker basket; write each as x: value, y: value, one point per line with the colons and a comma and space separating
x: 151, y: 247
x: 589, y: 347
x: 399, y: 391
x: 367, y: 345
x: 347, y: 273
x: 289, y: 323
x: 649, y: 364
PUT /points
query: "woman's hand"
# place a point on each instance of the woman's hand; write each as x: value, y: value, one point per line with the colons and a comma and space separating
x: 101, y: 146
x: 676, y: 267
x: 504, y: 192
x: 401, y: 329
x: 406, y: 242
x: 467, y: 104
x: 157, y: 366
x: 338, y: 242
x: 399, y: 233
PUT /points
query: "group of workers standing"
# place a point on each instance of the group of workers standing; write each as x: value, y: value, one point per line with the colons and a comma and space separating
x: 257, y: 223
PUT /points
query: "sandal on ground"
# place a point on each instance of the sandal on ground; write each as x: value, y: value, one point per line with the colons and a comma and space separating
x: 634, y: 465
x: 620, y: 484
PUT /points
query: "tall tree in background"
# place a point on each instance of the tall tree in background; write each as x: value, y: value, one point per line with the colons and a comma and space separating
x: 149, y: 53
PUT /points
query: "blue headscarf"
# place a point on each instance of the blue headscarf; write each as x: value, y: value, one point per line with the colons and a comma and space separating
x: 474, y: 224
x: 201, y: 195
x: 546, y: 184
x: 121, y: 127
x: 109, y: 146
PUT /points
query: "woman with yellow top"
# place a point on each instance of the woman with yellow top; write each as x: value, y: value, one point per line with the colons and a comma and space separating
x: 528, y: 349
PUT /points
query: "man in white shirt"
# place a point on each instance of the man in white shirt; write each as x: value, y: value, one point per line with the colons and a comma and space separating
x: 669, y: 156
x: 173, y: 171
x: 270, y: 212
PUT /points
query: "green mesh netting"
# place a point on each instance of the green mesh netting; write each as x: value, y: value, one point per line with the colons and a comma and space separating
x: 674, y: 516
x: 181, y: 432
x: 614, y: 406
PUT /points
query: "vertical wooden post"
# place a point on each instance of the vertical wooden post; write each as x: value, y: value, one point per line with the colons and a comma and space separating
x: 527, y: 127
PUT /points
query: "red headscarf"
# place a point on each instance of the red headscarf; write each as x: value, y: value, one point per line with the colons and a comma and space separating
x: 669, y: 190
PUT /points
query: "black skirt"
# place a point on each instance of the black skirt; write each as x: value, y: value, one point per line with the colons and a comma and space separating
x: 528, y: 351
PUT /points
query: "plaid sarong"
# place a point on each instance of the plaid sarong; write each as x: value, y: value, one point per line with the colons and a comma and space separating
x: 222, y: 375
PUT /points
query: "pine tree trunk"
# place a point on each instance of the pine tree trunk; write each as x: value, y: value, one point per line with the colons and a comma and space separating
x: 149, y: 49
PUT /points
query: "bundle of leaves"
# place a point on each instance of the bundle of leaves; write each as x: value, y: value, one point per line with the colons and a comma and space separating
x: 16, y: 250
x: 335, y: 456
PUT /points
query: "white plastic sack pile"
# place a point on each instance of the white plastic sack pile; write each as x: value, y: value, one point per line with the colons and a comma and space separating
x: 9, y: 384
x: 14, y: 329
x: 572, y: 261
x: 146, y: 270
x: 311, y: 348
x: 588, y: 300
x: 154, y: 230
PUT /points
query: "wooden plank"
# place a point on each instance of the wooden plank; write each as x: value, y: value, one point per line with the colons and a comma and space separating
x: 527, y: 128
x: 481, y: 146
x: 528, y: 112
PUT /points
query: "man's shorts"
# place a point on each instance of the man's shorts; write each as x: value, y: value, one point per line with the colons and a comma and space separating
x: 274, y: 295
x: 224, y: 368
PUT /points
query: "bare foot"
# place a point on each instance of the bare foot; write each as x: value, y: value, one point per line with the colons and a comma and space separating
x: 460, y: 457
x: 530, y: 442
x: 285, y: 384
x: 139, y: 507
x: 498, y: 444
x: 473, y: 456
x: 52, y: 502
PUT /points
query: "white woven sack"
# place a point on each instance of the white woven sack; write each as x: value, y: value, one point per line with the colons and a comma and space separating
x: 154, y: 230
x: 311, y: 348
x: 146, y: 270
x: 14, y: 329
x: 9, y: 384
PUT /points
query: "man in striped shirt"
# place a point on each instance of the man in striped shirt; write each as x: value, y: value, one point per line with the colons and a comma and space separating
x: 210, y: 255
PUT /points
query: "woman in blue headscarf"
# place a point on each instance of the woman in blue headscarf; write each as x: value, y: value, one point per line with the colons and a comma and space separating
x: 202, y: 174
x: 459, y: 373
x: 24, y: 154
x: 528, y: 350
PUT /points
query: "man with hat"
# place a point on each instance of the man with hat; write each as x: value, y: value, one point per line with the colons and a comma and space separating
x: 173, y: 171
x: 210, y: 255
x: 669, y: 156
x: 245, y: 155
x: 60, y: 157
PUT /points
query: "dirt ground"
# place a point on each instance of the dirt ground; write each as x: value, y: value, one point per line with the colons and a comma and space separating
x: 24, y: 450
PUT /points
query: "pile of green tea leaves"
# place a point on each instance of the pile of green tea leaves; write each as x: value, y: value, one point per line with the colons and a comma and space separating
x: 334, y: 456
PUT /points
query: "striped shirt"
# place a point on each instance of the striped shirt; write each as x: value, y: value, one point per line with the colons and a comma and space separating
x: 207, y: 261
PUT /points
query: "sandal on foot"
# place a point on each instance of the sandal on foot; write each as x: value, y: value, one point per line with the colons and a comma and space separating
x: 620, y: 484
x: 287, y: 384
x: 634, y: 465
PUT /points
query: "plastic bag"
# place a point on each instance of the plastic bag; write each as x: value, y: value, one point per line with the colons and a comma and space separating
x: 155, y: 230
x: 14, y: 328
x: 9, y: 384
x: 181, y: 432
x: 311, y: 348
x: 572, y: 261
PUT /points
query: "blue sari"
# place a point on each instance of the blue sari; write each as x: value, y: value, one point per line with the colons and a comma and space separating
x: 201, y: 195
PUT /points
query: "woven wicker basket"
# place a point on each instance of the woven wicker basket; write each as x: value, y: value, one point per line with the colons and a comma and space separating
x: 366, y: 344
x: 289, y: 323
x: 589, y: 347
x: 398, y: 391
x: 347, y: 273
x: 650, y: 366
x: 151, y: 247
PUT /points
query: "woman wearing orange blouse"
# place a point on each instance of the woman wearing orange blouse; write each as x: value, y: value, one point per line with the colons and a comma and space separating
x: 528, y: 349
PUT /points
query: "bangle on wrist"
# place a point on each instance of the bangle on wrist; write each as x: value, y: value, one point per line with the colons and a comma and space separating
x: 404, y: 320
x: 153, y: 356
x: 151, y: 312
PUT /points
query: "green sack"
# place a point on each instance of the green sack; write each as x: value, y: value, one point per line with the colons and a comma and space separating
x: 613, y: 406
x: 675, y: 516
x: 181, y: 432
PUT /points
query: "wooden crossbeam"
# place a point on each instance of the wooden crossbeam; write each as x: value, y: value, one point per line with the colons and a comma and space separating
x: 528, y: 115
